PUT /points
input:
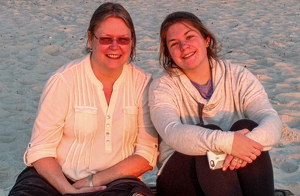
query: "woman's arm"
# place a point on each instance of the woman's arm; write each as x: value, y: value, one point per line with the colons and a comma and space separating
x: 48, y: 127
x: 184, y: 138
x: 47, y: 133
x: 52, y: 172
x: 133, y: 166
x: 268, y: 131
x: 257, y: 107
x: 146, y: 144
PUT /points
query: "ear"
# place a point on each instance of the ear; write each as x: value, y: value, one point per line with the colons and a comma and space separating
x: 207, y: 41
x: 90, y: 38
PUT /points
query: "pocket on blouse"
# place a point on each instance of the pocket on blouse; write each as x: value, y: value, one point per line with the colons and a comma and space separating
x: 85, y: 119
x: 130, y: 119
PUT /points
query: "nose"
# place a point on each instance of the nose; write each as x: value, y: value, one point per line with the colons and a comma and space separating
x: 114, y: 44
x: 183, y: 45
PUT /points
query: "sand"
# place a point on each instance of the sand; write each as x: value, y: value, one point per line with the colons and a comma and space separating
x: 39, y: 36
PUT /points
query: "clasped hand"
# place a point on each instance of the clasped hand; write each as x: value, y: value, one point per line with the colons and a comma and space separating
x: 82, y: 186
x: 244, y: 150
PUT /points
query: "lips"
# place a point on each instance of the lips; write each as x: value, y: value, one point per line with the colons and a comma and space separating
x: 113, y: 56
x: 188, y: 55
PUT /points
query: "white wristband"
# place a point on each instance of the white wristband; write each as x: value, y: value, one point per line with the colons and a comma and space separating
x: 91, y: 180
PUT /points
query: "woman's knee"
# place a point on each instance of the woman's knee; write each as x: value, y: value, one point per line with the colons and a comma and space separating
x: 30, y: 183
x: 210, y: 126
x: 243, y: 124
x: 179, y: 177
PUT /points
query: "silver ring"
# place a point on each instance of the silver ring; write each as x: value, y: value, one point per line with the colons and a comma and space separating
x: 235, y: 159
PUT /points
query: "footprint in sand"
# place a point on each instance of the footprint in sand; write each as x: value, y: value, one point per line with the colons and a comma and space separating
x: 289, y: 166
x: 52, y: 50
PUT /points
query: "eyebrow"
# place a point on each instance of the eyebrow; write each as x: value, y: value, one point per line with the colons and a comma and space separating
x: 109, y: 35
x: 183, y: 34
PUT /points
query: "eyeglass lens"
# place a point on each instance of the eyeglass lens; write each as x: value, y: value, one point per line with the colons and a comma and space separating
x: 108, y: 40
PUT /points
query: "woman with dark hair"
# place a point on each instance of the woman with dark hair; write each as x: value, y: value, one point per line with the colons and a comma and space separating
x: 204, y: 105
x: 93, y: 134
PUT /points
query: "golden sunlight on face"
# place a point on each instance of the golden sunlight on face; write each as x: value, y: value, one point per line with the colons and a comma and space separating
x: 111, y: 56
x: 187, y: 46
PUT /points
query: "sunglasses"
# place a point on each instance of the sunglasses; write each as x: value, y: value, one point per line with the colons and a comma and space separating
x: 108, y: 40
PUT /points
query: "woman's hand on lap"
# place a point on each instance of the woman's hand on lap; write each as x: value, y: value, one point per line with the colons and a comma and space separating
x: 233, y: 163
x: 245, y: 148
x: 90, y: 189
x: 83, y: 186
x: 81, y: 183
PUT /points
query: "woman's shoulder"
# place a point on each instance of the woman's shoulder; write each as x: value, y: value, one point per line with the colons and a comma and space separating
x: 240, y: 74
x: 234, y: 68
x: 164, y: 80
x: 137, y: 71
x: 227, y: 64
x: 74, y: 64
x: 66, y: 74
x: 161, y: 77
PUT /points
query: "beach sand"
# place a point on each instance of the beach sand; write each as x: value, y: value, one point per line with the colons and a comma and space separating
x: 39, y: 36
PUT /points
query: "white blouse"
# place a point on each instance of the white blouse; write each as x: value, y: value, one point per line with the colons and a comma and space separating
x: 76, y: 126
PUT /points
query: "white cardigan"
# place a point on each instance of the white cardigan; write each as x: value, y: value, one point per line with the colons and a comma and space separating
x: 237, y: 95
x: 85, y: 135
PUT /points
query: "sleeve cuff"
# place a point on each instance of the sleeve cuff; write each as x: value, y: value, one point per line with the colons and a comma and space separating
x: 150, y: 154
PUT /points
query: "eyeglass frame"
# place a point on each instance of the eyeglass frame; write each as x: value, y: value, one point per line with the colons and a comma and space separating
x: 117, y: 40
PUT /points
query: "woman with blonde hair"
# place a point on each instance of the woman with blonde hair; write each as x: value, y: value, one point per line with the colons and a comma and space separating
x: 93, y: 134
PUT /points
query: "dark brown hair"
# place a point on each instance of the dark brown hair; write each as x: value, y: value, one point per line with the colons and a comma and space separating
x: 113, y: 10
x: 184, y: 17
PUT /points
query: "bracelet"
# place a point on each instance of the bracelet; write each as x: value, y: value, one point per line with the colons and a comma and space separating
x: 91, y: 180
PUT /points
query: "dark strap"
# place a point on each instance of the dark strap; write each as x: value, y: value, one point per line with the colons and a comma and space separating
x: 200, y: 110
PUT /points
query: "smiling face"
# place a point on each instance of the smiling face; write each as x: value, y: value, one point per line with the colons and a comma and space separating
x: 110, y: 57
x: 187, y: 47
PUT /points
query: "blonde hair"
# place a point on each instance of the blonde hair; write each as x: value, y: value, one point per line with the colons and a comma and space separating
x: 113, y: 10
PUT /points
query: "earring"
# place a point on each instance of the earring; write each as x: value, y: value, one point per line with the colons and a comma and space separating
x: 91, y: 50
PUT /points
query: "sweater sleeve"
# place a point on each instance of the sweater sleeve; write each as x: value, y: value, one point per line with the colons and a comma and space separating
x: 258, y: 108
x: 48, y: 127
x: 185, y: 138
x: 147, y: 139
